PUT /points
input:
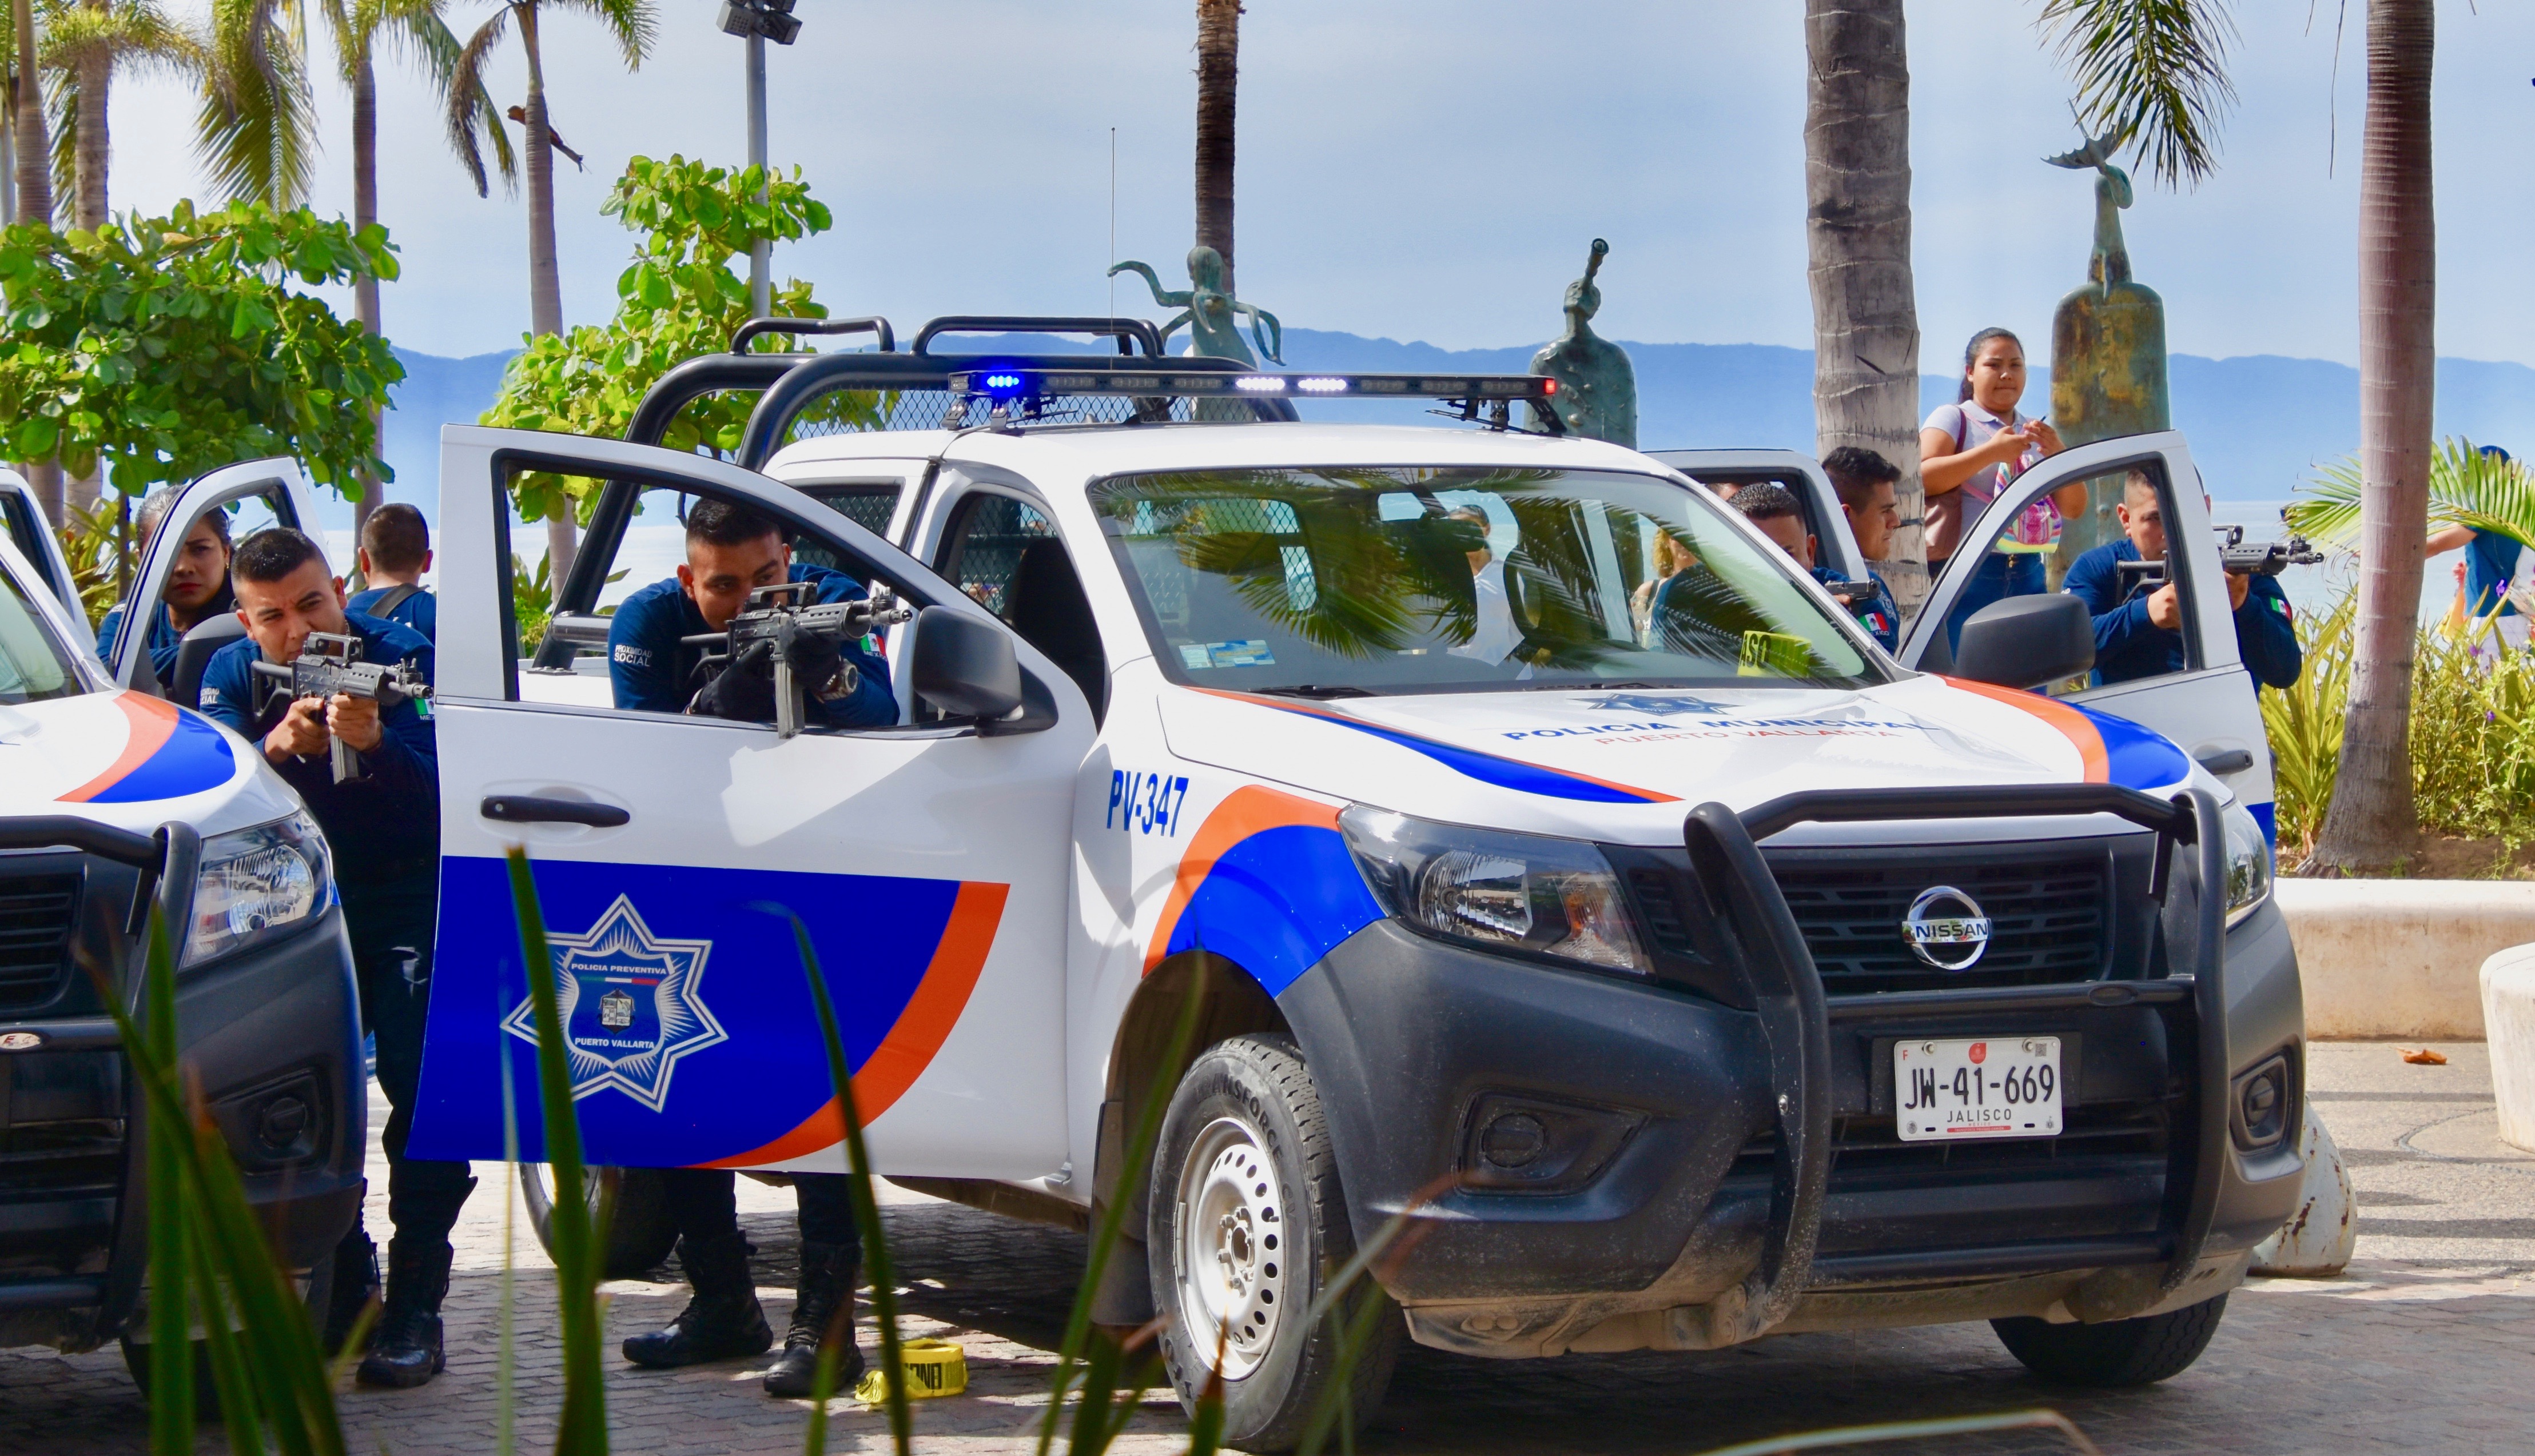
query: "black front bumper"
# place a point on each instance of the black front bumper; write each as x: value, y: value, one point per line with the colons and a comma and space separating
x: 1662, y: 1171
x: 258, y: 1031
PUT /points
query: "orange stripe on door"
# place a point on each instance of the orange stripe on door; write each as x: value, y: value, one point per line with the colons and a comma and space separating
x: 911, y: 1043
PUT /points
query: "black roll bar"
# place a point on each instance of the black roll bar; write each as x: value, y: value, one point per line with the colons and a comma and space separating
x: 1123, y: 330
x: 873, y: 324
x: 1787, y: 990
x: 1795, y: 1016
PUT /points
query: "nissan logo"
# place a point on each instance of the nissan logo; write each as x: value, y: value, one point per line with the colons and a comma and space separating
x: 1946, y: 929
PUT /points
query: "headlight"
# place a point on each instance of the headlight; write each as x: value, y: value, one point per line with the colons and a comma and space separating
x: 1555, y: 897
x: 256, y: 885
x: 2249, y: 862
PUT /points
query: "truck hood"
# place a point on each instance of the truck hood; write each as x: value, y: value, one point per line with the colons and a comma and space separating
x: 1625, y: 765
x: 134, y: 761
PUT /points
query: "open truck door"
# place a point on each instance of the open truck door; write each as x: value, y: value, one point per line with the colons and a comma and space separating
x: 927, y: 860
x: 2207, y: 706
x: 23, y: 522
x: 270, y: 492
x: 1835, y: 545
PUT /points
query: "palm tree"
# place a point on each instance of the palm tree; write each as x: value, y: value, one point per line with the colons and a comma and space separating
x: 1219, y: 71
x: 35, y: 200
x: 2372, y: 822
x: 631, y: 23
x: 256, y: 130
x: 1857, y: 235
x: 2150, y: 69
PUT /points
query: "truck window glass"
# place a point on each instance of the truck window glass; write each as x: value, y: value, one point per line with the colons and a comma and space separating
x: 2014, y: 532
x: 1442, y: 579
x: 33, y: 666
x: 985, y: 547
x: 868, y: 503
x: 1007, y: 555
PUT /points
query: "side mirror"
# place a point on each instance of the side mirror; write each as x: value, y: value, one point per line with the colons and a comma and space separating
x: 963, y: 666
x: 2025, y: 642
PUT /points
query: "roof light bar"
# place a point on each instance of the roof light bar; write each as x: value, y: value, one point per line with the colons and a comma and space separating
x: 1005, y: 384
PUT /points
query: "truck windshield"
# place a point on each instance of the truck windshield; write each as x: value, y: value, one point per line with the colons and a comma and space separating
x: 1388, y: 580
x: 32, y: 664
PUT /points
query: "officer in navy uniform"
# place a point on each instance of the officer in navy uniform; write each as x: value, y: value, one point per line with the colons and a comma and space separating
x: 2139, y: 627
x: 1773, y: 508
x: 384, y: 829
x: 395, y: 552
x: 732, y: 550
x: 196, y: 586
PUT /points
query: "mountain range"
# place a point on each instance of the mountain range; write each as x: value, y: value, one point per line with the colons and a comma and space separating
x: 2258, y: 424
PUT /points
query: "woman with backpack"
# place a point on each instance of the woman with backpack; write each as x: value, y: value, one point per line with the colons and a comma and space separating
x: 1968, y: 452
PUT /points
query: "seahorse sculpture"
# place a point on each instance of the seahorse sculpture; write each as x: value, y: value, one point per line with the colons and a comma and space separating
x: 2111, y: 263
x: 1210, y: 313
x: 1597, y: 386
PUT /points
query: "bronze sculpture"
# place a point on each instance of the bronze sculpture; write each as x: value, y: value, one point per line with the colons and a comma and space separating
x: 2107, y: 351
x: 1212, y: 315
x: 1597, y: 386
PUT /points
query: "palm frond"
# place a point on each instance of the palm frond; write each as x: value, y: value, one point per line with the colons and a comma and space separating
x: 2467, y: 488
x: 2154, y: 71
x: 417, y: 28
x: 632, y: 24
x: 464, y: 118
x: 256, y: 128
x: 135, y: 37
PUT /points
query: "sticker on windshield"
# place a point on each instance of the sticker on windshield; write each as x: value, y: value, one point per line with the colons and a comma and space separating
x: 1252, y: 653
x: 1774, y: 654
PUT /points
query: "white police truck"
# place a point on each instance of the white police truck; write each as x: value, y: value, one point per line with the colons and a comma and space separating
x: 115, y: 796
x: 1574, y: 900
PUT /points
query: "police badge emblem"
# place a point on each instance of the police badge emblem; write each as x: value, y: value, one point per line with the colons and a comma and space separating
x: 629, y: 1004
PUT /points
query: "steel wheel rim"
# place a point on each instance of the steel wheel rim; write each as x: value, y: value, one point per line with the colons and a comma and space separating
x: 1232, y: 1247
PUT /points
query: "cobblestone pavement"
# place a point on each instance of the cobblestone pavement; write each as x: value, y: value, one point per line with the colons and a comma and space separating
x: 2429, y: 1344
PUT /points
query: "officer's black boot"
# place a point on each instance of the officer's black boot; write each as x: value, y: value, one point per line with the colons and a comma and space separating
x: 823, y: 1296
x: 356, y: 1284
x: 404, y: 1348
x: 721, y: 1323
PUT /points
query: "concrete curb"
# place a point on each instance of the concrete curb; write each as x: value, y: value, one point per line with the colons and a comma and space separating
x: 2400, y: 957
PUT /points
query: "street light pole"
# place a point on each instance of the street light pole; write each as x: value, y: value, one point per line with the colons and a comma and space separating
x: 758, y: 22
x: 760, y: 253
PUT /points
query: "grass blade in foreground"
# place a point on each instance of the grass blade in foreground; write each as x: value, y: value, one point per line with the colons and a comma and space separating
x: 1140, y: 1155
x: 866, y: 1219
x: 582, y: 1430
x: 1906, y: 1430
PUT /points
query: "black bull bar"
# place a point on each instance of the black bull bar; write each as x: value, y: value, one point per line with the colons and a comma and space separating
x: 165, y: 863
x: 1763, y: 937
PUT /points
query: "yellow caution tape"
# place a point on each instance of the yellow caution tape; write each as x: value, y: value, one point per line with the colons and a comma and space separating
x: 934, y: 1368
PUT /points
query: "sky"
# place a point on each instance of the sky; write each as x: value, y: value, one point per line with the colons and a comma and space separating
x: 1435, y: 171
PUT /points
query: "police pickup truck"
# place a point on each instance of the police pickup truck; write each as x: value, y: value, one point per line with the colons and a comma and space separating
x: 113, y: 796
x: 1579, y: 901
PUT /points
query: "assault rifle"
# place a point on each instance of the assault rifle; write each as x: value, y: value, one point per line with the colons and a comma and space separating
x: 783, y: 630
x: 331, y: 663
x: 2240, y: 557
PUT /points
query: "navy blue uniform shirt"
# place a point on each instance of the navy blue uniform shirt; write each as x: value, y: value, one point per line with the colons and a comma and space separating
x: 162, y: 639
x: 655, y: 673
x: 420, y: 610
x: 1877, y: 614
x: 385, y: 826
x: 2129, y: 646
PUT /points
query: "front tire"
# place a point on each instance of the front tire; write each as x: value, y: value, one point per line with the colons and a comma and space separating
x: 640, y: 1235
x: 1244, y: 1223
x: 2117, y: 1353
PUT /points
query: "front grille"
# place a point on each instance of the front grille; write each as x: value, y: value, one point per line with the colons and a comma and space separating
x: 2050, y: 918
x: 37, y: 915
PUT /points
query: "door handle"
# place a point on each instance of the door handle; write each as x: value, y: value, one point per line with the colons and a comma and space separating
x: 2223, y: 762
x: 522, y: 808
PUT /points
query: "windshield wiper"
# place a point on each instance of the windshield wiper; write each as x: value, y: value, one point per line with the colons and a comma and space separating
x: 1318, y: 690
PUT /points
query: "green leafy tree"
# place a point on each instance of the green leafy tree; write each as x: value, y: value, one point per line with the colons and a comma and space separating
x: 678, y: 299
x: 166, y: 347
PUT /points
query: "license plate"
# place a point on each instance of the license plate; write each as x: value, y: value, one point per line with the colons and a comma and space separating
x: 1961, y: 1091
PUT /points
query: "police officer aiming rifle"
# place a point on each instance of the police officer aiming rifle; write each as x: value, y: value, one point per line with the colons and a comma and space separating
x: 712, y: 642
x: 383, y: 826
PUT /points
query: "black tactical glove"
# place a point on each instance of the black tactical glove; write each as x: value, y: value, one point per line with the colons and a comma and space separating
x: 818, y: 665
x: 744, y: 690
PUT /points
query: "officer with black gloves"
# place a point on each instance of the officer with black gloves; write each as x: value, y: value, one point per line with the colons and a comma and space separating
x: 733, y: 551
x: 384, y: 829
x: 2139, y: 627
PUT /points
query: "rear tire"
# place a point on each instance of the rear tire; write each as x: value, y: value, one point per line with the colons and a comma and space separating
x: 641, y: 1237
x: 1244, y: 1222
x: 2117, y: 1353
